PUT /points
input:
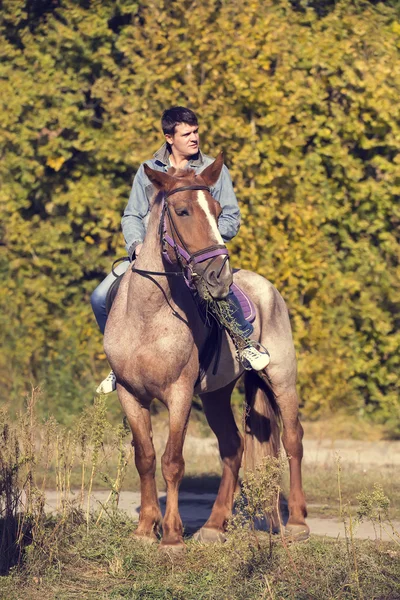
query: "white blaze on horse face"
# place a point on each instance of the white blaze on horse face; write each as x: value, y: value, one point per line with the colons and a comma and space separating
x: 202, y: 200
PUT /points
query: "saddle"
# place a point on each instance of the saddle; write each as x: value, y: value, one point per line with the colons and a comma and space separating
x: 212, y: 347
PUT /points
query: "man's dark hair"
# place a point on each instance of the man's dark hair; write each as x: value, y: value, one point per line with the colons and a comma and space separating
x: 175, y: 115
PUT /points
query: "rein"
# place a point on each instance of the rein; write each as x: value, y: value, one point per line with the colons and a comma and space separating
x: 181, y: 251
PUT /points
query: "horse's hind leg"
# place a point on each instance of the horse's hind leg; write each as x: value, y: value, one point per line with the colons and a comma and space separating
x: 292, y: 436
x: 276, y: 335
x: 145, y: 459
x: 219, y: 415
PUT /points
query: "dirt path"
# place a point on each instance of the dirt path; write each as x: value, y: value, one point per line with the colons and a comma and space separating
x: 195, y: 509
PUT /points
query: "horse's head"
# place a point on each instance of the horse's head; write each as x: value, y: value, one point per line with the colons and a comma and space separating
x: 191, y: 221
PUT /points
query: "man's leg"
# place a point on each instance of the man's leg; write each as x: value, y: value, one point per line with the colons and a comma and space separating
x: 99, y: 296
x: 249, y: 355
x: 98, y: 302
x: 246, y: 328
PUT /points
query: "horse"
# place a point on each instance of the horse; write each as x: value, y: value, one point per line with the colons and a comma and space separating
x: 153, y: 339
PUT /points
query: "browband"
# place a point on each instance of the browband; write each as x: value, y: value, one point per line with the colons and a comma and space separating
x: 186, y: 188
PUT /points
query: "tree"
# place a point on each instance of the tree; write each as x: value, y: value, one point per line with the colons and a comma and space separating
x: 304, y: 107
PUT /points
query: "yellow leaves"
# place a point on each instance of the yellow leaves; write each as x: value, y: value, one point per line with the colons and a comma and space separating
x: 396, y: 27
x: 307, y: 112
x: 55, y: 163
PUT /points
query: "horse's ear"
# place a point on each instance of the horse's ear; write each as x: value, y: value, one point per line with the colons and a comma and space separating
x: 211, y: 174
x: 159, y: 179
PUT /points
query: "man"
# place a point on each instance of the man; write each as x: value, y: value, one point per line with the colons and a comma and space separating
x: 180, y: 150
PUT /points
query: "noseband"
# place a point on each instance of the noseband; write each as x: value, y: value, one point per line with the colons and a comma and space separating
x: 181, y: 251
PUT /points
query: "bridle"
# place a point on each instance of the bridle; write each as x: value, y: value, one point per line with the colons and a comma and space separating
x: 184, y: 258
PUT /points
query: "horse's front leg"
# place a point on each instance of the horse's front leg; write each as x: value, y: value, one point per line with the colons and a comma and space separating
x: 173, y: 467
x: 150, y: 517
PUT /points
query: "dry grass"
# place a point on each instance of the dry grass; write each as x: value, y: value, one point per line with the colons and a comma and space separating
x: 108, y: 563
x: 79, y: 554
x: 343, y: 427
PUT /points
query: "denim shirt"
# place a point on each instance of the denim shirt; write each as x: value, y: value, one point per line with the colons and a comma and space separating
x: 136, y: 214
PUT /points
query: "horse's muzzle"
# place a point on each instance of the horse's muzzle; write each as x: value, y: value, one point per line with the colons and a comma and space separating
x: 216, y: 279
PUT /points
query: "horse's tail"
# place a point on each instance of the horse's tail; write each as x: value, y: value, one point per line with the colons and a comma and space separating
x: 262, y: 420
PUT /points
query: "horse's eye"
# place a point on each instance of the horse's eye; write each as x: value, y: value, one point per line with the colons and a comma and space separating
x: 182, y: 212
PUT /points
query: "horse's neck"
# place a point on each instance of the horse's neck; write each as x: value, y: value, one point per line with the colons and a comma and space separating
x: 161, y: 299
x: 146, y: 291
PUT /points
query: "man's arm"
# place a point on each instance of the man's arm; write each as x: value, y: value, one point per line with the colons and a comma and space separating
x: 137, y: 208
x: 229, y: 220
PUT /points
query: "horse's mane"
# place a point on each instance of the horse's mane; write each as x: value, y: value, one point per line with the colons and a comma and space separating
x: 181, y: 173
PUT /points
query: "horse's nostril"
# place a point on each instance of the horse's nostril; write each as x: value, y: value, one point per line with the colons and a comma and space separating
x: 213, y: 277
x: 218, y: 283
x: 217, y: 274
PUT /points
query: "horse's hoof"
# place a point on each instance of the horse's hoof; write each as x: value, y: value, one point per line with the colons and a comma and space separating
x: 172, y: 549
x: 146, y: 539
x: 206, y: 535
x: 297, y: 533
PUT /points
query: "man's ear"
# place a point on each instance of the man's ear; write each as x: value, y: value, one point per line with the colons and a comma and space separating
x: 211, y: 174
x: 161, y: 180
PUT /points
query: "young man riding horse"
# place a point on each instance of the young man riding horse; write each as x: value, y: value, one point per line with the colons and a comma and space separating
x: 155, y: 341
x: 180, y: 151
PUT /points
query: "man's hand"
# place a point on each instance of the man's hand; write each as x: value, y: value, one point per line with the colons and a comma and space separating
x: 138, y: 249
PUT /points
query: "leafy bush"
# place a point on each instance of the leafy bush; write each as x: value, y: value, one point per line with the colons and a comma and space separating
x: 305, y: 105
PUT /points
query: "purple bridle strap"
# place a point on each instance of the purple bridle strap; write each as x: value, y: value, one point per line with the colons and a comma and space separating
x: 194, y: 258
x: 204, y: 255
x: 167, y: 238
x: 191, y: 259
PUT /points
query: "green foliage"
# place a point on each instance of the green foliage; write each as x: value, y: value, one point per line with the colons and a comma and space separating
x: 305, y: 105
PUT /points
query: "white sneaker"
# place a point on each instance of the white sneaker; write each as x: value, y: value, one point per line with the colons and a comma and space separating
x: 108, y: 385
x: 251, y: 358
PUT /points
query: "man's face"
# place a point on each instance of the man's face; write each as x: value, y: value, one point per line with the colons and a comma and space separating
x: 185, y: 140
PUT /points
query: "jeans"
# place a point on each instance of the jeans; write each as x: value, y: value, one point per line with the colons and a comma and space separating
x: 245, y: 328
x: 99, y: 297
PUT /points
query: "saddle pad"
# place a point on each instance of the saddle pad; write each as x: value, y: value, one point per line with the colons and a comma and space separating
x: 247, y: 305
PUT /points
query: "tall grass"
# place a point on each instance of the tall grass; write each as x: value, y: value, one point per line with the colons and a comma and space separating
x: 86, y: 550
x: 34, y: 455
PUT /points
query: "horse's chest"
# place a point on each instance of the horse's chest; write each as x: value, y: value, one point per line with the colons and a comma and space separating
x: 153, y: 369
x: 152, y: 354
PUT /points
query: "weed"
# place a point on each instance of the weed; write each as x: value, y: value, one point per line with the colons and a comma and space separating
x: 374, y: 506
x: 9, y: 494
